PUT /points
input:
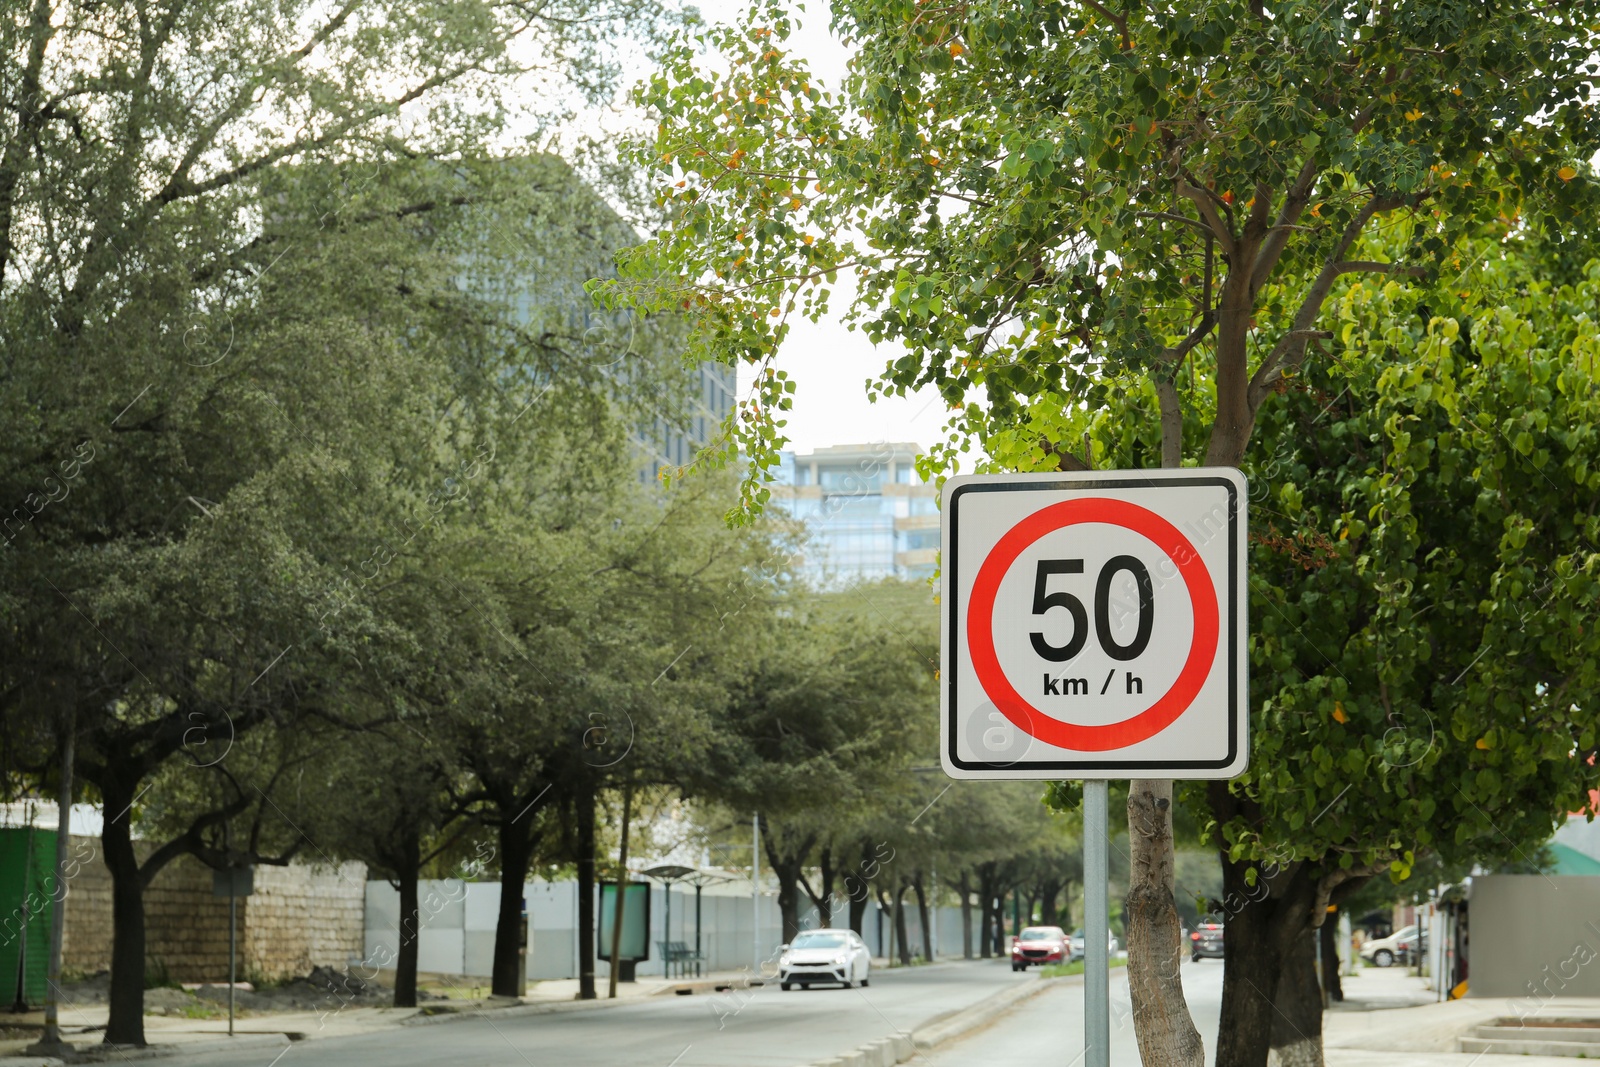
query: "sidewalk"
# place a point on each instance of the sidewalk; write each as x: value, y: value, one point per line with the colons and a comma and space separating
x: 84, y: 1026
x: 1387, y: 1013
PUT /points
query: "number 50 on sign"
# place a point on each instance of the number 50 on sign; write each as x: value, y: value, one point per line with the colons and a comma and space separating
x: 1094, y: 625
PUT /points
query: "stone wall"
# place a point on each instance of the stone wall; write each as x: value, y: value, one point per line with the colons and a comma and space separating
x: 86, y: 941
x: 304, y: 915
x: 299, y: 916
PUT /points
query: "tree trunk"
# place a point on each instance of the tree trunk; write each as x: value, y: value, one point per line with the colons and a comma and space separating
x: 787, y: 868
x: 1230, y: 430
x: 966, y: 917
x: 405, y: 967
x: 1332, y: 986
x: 983, y: 927
x: 858, y: 907
x: 886, y: 915
x: 1167, y: 1035
x: 620, y: 897
x: 125, y: 1023
x: 824, y: 900
x: 1049, y: 892
x: 1297, y: 1023
x: 1161, y: 1021
x: 788, y: 897
x: 902, y: 941
x: 1252, y: 954
x: 516, y: 851
x: 858, y: 886
x: 924, y: 917
x: 586, y: 928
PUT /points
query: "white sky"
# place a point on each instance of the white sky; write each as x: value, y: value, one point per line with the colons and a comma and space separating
x: 830, y: 363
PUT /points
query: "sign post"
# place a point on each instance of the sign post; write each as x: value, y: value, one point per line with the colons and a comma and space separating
x: 1094, y: 628
x: 1096, y: 924
x: 233, y: 883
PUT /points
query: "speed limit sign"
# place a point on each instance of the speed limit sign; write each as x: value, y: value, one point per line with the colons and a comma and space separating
x: 1094, y: 625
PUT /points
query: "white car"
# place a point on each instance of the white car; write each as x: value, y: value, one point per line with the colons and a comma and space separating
x: 1384, y: 951
x: 1077, y: 942
x: 816, y: 957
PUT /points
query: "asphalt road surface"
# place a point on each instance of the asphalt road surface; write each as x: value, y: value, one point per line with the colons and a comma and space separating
x: 1047, y: 1031
x: 760, y: 1027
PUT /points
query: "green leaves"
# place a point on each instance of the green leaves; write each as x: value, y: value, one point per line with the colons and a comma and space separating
x: 1062, y: 175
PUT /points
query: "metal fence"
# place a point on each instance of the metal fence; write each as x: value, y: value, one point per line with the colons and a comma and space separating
x: 458, y: 922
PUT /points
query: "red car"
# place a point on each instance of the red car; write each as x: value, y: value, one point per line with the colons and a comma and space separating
x: 1040, y: 945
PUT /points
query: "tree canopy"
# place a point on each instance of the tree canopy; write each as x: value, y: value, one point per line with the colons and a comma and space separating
x: 1052, y: 208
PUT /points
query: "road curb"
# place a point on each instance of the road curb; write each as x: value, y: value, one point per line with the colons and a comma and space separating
x: 515, y: 1011
x: 117, y: 1053
x: 959, y: 1023
x: 946, y: 1026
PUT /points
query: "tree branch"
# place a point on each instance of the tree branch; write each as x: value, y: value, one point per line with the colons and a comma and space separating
x: 1290, y: 350
x: 190, y: 840
x: 1204, y: 200
x: 1065, y: 460
x: 1173, y: 217
x: 1208, y: 320
x: 1331, y: 881
x: 1352, y: 266
x: 29, y: 115
x: 1277, y: 238
x: 1119, y: 21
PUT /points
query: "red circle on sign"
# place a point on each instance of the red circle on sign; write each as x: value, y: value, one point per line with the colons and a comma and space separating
x: 1202, y: 645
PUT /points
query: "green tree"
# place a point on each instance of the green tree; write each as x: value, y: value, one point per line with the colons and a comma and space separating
x: 384, y: 796
x: 207, y: 382
x: 1423, y: 570
x: 1041, y: 204
x: 824, y: 725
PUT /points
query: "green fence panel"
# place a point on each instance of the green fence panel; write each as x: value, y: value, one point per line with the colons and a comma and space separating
x: 27, y: 909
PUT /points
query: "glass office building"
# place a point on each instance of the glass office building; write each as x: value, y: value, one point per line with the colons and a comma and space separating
x: 673, y: 444
x: 868, y: 515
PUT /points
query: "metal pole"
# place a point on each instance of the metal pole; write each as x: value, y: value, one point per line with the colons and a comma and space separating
x: 666, y: 964
x: 233, y: 943
x: 52, y: 989
x: 1096, y: 927
x: 698, y: 958
x: 755, y: 894
x: 21, y: 1003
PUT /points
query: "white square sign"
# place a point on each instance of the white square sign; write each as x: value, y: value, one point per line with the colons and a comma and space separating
x: 1094, y: 625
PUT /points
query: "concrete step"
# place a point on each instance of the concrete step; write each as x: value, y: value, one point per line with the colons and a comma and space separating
x: 1576, y: 1034
x: 1526, y: 1046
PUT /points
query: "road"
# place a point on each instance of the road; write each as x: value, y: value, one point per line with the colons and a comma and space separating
x: 761, y: 1027
x: 1047, y: 1031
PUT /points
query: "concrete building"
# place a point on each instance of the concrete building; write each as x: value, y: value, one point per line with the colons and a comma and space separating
x: 868, y: 514
x: 671, y: 444
x: 549, y: 303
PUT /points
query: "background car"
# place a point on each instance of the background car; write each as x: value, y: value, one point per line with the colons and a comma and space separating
x: 1205, y: 943
x: 1039, y: 945
x: 1078, y: 943
x: 1403, y: 945
x: 821, y: 957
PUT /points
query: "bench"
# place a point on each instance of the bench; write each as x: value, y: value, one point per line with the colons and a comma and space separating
x: 678, y: 954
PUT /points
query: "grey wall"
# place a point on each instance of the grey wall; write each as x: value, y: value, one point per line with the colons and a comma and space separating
x: 458, y: 918
x: 1534, y: 937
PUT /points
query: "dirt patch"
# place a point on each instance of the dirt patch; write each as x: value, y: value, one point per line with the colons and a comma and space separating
x: 324, y: 989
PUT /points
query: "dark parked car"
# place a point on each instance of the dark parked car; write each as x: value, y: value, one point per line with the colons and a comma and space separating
x: 1206, y: 941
